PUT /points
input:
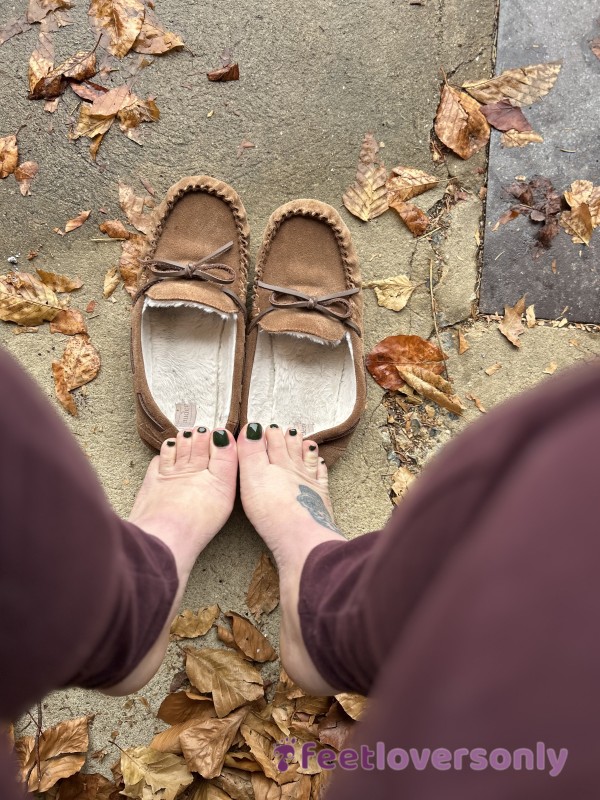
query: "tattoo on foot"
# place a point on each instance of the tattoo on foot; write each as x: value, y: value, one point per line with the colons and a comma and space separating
x: 315, y: 506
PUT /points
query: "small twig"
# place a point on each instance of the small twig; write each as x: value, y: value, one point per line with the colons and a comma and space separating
x: 429, y: 233
x: 435, y: 325
x: 110, y: 239
x: 37, y: 762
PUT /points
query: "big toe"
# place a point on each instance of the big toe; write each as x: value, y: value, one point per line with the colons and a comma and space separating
x: 223, y: 457
x: 252, y: 448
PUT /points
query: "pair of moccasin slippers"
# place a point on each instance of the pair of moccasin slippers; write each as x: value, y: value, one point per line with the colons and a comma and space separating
x: 299, y: 361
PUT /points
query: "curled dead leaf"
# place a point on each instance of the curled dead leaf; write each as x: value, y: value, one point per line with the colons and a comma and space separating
x: 77, y: 221
x: 530, y: 316
x: 154, y: 39
x: 24, y: 175
x: 120, y: 21
x: 523, y: 85
x: 135, y: 206
x: 148, y: 773
x: 205, y: 742
x: 463, y: 344
x: 401, y: 480
x: 263, y: 592
x: 69, y: 321
x: 584, y: 214
x: 415, y: 220
x: 249, y: 640
x: 111, y: 281
x: 190, y: 624
x: 130, y: 266
x: 9, y: 155
x: 511, y: 326
x: 405, y: 183
x: 78, y: 365
x: 62, y: 753
x: 24, y: 299
x: 114, y: 229
x: 180, y: 707
x: 393, y: 293
x: 520, y: 139
x: 432, y: 386
x: 37, y: 10
x: 402, y: 351
x: 230, y: 72
x: 459, y: 123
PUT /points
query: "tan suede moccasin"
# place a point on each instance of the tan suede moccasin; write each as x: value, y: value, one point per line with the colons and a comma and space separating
x: 188, y: 322
x: 304, y: 350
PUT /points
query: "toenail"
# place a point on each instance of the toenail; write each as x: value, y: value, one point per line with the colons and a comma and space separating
x: 273, y: 425
x: 170, y: 442
x: 220, y: 438
x: 292, y: 431
x: 202, y: 430
x: 322, y: 461
x: 312, y: 446
x: 187, y: 434
x: 254, y: 431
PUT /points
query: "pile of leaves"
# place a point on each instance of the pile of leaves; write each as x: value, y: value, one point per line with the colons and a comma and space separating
x: 224, y: 723
x: 464, y: 115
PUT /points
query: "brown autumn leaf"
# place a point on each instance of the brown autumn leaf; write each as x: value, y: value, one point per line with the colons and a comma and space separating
x: 24, y: 299
x: 79, y: 364
x: 401, y: 480
x: 504, y: 116
x: 493, y: 369
x: 82, y: 786
x: 135, y: 206
x: 62, y: 753
x: 37, y: 10
x: 205, y: 742
x: 190, y: 624
x: 367, y: 197
x: 179, y: 707
x: 463, y: 344
x: 120, y: 22
x: 508, y: 216
x: 229, y: 677
x: 405, y: 183
x: 24, y: 175
x: 594, y: 45
x: 539, y: 201
x: 133, y: 113
x: 261, y: 747
x: 69, y: 321
x: 432, y: 386
x: 402, y: 351
x: 88, y: 90
x: 111, y: 281
x: 230, y: 72
x: 96, y: 119
x: 114, y: 229
x: 477, y: 403
x: 41, y: 62
x: 76, y: 68
x: 59, y: 283
x: 130, y: 266
x: 263, y: 592
x: 249, y: 640
x: 393, y: 293
x: 335, y: 727
x: 264, y: 788
x: 234, y: 783
x: 76, y: 222
x: 584, y: 214
x: 518, y: 139
x: 207, y: 790
x: 13, y: 28
x: 415, y: 220
x: 530, y: 316
x: 148, y: 773
x: 459, y: 123
x: 9, y: 155
x: 523, y: 85
x: 512, y: 326
x: 154, y: 39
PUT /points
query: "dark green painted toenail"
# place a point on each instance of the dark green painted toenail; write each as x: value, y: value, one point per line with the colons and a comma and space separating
x: 254, y: 431
x: 292, y: 431
x: 171, y: 443
x: 187, y: 434
x: 322, y: 461
x: 273, y: 425
x: 202, y: 430
x: 312, y: 446
x: 220, y: 438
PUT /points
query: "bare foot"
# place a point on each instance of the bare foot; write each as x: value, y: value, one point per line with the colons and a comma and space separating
x: 188, y: 493
x: 284, y: 490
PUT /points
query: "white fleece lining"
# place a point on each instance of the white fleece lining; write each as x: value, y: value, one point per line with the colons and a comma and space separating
x: 302, y: 381
x: 189, y: 350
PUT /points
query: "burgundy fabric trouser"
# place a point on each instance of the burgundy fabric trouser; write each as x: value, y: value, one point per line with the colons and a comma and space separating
x: 470, y: 620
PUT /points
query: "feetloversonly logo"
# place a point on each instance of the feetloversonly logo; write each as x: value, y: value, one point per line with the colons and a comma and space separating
x: 540, y: 758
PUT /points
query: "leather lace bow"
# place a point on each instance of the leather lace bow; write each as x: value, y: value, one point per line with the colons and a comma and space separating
x: 202, y: 270
x: 335, y: 305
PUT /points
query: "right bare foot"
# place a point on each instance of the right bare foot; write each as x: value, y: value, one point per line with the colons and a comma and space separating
x: 284, y: 490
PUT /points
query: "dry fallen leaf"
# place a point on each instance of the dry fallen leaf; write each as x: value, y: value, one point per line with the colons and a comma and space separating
x: 230, y: 72
x: 402, y: 351
x: 24, y: 299
x: 205, y: 743
x: 62, y: 752
x: 530, y: 316
x: 551, y: 368
x: 79, y: 364
x: 432, y: 386
x: 111, y: 281
x: 512, y: 326
x: 190, y: 624
x: 520, y: 139
x: 523, y: 85
x: 180, y: 707
x: 134, y: 112
x: 249, y: 640
x: 401, y: 480
x: 59, y: 283
x: 493, y: 369
x: 69, y: 321
x: 85, y: 786
x: 263, y: 592
x: 120, y: 21
x: 393, y: 293
x: 584, y: 215
x: 149, y: 774
x: 353, y: 704
x: 75, y: 223
x: 135, y: 206
x: 154, y: 39
x: 504, y: 116
x: 79, y: 67
x: 415, y: 220
x: 41, y: 63
x: 9, y: 155
x: 130, y: 263
x: 37, y: 10
x: 459, y: 123
x: 24, y: 175
x: 463, y: 344
x: 230, y: 678
x: 405, y: 183
x: 367, y: 197
x: 13, y: 28
x: 114, y: 229
x: 478, y: 404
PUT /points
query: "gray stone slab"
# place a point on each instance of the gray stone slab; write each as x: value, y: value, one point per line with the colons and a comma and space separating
x: 530, y: 32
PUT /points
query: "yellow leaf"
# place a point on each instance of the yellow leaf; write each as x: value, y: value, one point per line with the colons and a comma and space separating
x: 230, y: 678
x: 24, y: 299
x: 393, y: 293
x: 120, y: 20
x: 263, y: 592
x: 522, y: 86
x: 148, y: 773
x: 190, y: 624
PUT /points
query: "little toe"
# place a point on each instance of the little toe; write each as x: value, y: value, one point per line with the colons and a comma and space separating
x: 310, y: 454
x: 293, y: 440
x: 200, y: 448
x: 223, y: 457
x: 322, y: 473
x: 168, y: 455
x: 276, y: 445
